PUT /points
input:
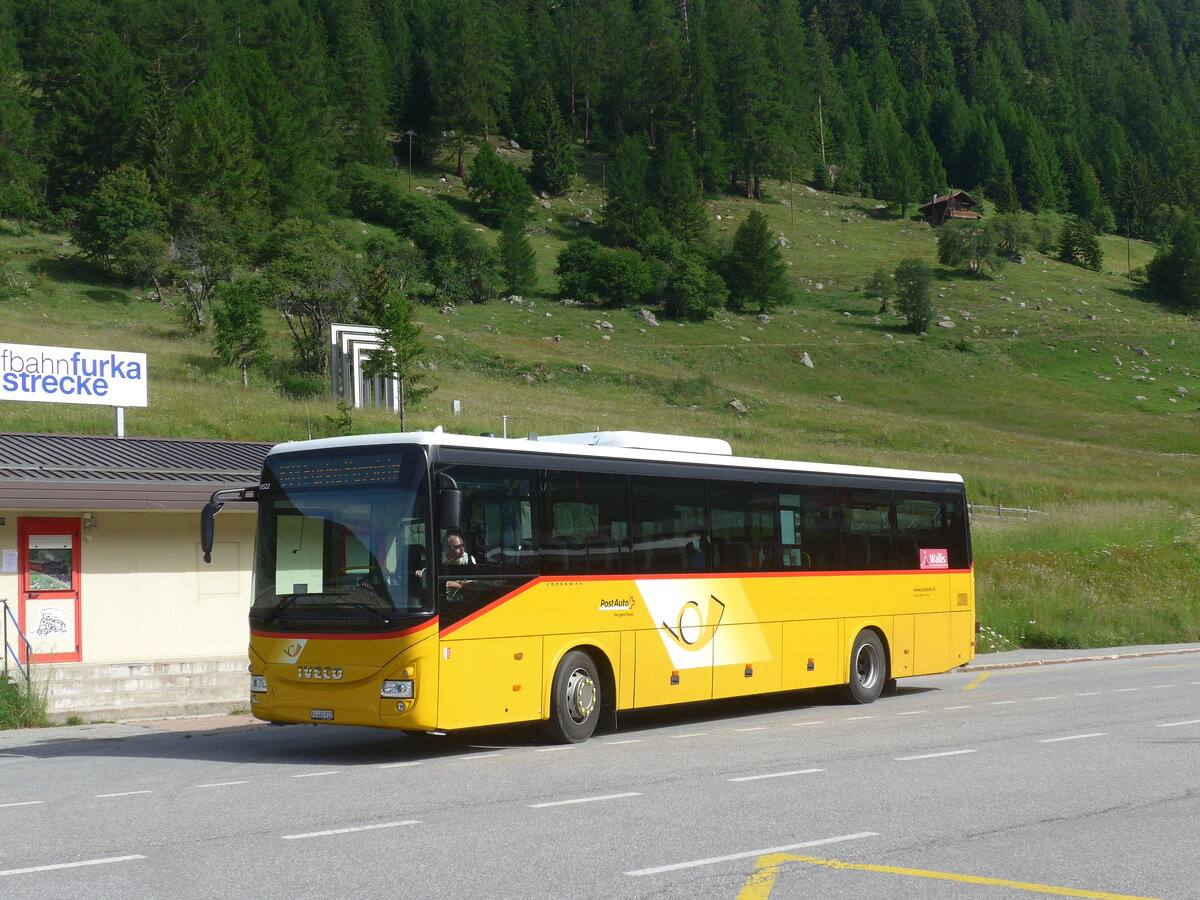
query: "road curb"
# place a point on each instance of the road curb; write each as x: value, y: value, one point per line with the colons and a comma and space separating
x: 985, y: 667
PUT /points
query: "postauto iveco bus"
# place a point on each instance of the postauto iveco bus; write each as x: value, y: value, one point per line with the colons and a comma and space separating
x: 588, y: 574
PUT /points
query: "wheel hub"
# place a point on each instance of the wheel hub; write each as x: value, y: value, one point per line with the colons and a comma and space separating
x: 581, y: 695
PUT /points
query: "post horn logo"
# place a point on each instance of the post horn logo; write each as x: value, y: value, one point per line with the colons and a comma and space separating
x: 697, y: 623
x: 293, y: 650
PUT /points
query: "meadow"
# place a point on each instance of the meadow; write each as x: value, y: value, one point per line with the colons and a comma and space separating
x: 1044, y: 385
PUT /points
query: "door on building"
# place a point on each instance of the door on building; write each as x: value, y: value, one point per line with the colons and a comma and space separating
x: 49, y: 577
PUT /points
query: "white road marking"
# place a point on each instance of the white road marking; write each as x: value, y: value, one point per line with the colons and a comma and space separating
x: 22, y: 803
x: 122, y: 794
x: 74, y: 865
x: 777, y: 775
x: 401, y: 765
x: 858, y: 718
x: 1088, y: 694
x: 614, y: 743
x: 333, y: 831
x: 1037, y: 699
x: 913, y: 712
x: 313, y: 774
x: 552, y: 749
x: 933, y: 755
x: 965, y: 706
x: 222, y: 784
x: 1072, y: 737
x: 693, y: 734
x: 756, y: 728
x: 583, y: 800
x: 479, y: 756
x: 815, y: 722
x: 1002, y: 702
x: 1159, y: 725
x: 749, y: 854
x: 1124, y: 690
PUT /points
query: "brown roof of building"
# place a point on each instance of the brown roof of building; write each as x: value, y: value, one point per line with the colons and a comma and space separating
x: 56, y: 471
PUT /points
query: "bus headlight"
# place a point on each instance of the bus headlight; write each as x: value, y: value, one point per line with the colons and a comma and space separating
x: 397, y: 690
x: 258, y: 684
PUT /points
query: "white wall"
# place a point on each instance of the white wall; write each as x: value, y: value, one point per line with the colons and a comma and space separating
x: 146, y: 592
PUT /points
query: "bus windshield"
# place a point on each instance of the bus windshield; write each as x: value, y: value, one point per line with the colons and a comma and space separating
x: 342, y: 542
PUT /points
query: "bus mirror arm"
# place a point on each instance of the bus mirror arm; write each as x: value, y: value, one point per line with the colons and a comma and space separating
x: 215, y: 504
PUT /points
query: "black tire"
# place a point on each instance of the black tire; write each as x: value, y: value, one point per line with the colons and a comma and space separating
x: 574, y: 700
x: 868, y: 669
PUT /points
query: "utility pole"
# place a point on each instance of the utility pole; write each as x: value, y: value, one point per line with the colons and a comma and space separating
x: 410, y: 134
x: 821, y: 128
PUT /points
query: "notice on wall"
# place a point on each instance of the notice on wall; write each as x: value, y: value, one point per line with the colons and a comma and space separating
x: 67, y: 375
x: 8, y: 562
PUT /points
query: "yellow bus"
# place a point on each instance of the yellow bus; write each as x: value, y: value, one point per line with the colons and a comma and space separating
x: 427, y: 581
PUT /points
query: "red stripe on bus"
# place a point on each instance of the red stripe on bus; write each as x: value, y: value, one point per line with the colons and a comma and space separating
x: 550, y: 579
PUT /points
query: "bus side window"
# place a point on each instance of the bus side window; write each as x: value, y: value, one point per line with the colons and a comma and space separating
x: 668, y: 514
x: 867, y: 530
x: 743, y: 526
x: 585, y: 524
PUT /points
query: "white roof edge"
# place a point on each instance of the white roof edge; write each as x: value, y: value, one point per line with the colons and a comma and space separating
x: 644, y: 440
x: 553, y: 444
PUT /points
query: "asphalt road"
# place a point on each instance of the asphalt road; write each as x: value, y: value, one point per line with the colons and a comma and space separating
x: 1077, y: 780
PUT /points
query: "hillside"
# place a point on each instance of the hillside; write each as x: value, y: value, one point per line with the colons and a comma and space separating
x: 1057, y: 388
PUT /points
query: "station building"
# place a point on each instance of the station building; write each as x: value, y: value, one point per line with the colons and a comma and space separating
x: 101, y: 571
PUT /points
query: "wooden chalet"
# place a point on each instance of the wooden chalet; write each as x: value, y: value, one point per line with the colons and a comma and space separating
x: 954, y: 205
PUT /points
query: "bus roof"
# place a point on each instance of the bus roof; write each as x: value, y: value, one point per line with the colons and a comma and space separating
x: 621, y: 445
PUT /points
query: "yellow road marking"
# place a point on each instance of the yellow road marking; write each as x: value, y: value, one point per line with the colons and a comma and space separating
x: 977, y: 682
x: 762, y: 879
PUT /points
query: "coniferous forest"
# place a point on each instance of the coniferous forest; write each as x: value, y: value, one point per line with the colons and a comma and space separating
x: 216, y: 129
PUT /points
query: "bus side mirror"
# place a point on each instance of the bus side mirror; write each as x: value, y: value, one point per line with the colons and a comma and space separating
x: 449, y: 508
x: 211, y: 508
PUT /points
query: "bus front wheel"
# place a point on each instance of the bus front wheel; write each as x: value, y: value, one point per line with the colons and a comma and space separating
x: 868, y: 669
x: 574, y: 700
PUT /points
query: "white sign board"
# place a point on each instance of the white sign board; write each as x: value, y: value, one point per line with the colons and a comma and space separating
x: 67, y: 375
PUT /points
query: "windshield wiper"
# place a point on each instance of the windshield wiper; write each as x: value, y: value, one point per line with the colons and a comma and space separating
x: 279, y: 607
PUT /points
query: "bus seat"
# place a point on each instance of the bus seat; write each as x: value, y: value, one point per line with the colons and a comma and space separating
x: 737, y: 557
x: 856, y: 552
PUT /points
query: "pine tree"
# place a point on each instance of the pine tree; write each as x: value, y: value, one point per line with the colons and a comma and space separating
x: 553, y: 166
x: 467, y: 73
x: 401, y: 347
x: 753, y: 268
x: 1174, y: 273
x: 239, y: 336
x: 498, y: 188
x: 628, y: 209
x: 743, y: 89
x: 913, y: 279
x: 363, y: 85
x: 95, y: 101
x: 517, y: 260
x: 1079, y: 245
x: 212, y: 161
x: 121, y: 205
x: 676, y: 193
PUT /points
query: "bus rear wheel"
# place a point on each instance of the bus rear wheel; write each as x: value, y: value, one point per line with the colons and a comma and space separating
x: 574, y: 700
x: 868, y: 669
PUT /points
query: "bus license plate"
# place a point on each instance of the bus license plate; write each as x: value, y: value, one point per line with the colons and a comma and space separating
x: 325, y: 715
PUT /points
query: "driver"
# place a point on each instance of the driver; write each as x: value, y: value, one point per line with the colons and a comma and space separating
x: 454, y: 553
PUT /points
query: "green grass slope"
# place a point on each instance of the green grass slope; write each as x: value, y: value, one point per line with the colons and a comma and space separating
x: 1056, y: 388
